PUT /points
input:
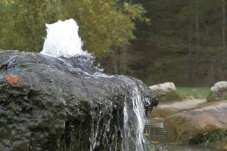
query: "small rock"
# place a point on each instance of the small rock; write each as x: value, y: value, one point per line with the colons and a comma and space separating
x: 219, y: 86
x: 162, y: 89
x: 218, y: 91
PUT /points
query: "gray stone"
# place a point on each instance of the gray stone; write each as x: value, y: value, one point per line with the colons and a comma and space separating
x: 165, y: 92
x: 218, y: 91
x: 188, y: 125
x: 62, y: 104
x: 163, y: 88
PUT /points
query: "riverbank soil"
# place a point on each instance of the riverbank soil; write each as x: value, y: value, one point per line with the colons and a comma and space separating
x: 166, y: 109
x: 194, y: 121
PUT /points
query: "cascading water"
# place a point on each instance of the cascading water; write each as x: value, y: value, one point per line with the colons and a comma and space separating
x: 134, y: 120
x: 63, y: 41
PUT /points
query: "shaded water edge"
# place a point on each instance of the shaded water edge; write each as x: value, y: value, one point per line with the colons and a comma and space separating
x: 156, y: 136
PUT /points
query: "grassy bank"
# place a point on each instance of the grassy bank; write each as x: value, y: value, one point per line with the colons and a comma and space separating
x: 181, y: 93
x: 193, y: 92
x: 184, y: 93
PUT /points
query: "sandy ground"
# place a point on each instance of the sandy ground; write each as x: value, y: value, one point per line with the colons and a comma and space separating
x: 186, y: 104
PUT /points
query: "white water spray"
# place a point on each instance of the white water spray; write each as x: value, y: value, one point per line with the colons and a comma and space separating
x: 63, y: 40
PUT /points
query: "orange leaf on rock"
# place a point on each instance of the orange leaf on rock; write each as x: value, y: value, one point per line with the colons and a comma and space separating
x: 11, y: 79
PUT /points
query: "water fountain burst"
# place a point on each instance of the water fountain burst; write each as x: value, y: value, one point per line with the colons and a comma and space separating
x: 63, y: 41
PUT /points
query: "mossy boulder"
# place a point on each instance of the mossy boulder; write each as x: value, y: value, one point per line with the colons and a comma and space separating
x: 190, y: 125
x: 165, y: 92
x: 218, y: 92
x: 62, y: 104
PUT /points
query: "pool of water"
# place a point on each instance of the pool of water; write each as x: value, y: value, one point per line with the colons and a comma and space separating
x: 156, y: 135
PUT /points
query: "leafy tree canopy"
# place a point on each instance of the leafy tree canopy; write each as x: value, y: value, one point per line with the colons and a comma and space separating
x: 104, y: 25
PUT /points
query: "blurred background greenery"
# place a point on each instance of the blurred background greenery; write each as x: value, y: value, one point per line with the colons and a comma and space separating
x: 182, y: 41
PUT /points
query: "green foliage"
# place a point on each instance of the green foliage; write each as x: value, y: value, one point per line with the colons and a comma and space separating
x: 169, y: 97
x: 211, y: 137
x: 183, y: 93
x: 193, y: 92
x: 104, y: 25
x: 175, y: 127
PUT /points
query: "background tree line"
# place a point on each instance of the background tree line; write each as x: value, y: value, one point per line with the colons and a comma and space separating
x: 185, y: 41
x: 106, y: 26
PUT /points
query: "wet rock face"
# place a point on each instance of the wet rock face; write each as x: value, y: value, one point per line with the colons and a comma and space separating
x: 59, y: 105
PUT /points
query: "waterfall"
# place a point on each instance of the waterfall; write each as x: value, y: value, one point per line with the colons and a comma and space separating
x: 134, y: 120
x: 63, y: 40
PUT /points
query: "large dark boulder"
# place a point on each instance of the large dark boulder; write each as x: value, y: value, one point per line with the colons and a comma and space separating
x: 63, y: 104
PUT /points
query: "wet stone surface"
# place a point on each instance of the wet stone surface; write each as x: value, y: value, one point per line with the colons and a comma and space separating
x: 62, y: 104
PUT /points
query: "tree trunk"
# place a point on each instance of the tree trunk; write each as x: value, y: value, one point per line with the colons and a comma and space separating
x: 123, y: 60
x: 190, y: 63
x: 114, y: 63
x: 197, y: 22
x: 223, y: 23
